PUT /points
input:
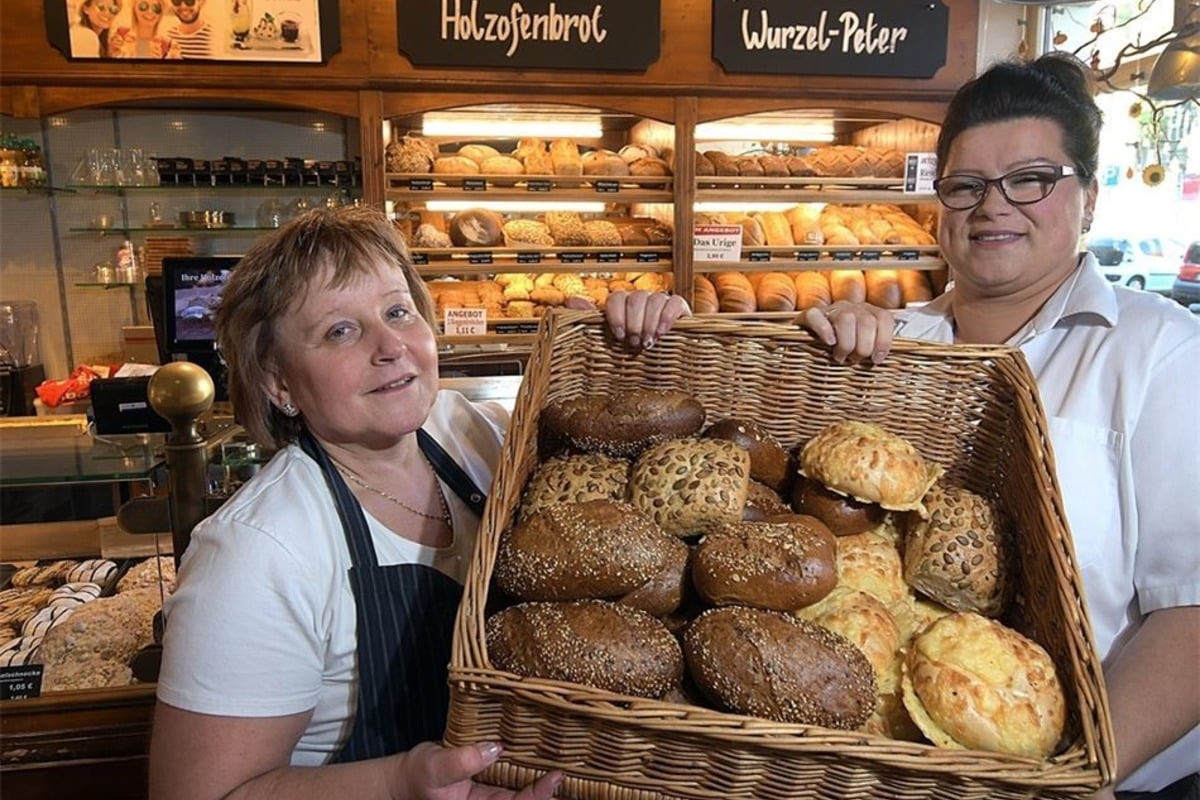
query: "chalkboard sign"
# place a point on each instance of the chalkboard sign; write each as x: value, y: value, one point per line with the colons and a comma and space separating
x: 883, y: 38
x: 547, y: 34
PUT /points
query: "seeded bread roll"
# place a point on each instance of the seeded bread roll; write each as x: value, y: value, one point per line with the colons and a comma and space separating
x: 602, y: 233
x: 575, y: 479
x: 769, y: 462
x: 958, y: 556
x: 869, y: 463
x: 690, y: 486
x: 574, y: 551
x: 566, y: 228
x: 621, y: 424
x: 604, y: 645
x: 773, y: 565
x: 969, y: 682
x: 845, y: 516
x: 774, y: 665
x: 527, y: 233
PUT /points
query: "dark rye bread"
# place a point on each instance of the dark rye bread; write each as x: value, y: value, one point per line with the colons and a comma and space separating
x: 781, y: 566
x: 769, y: 461
x: 622, y: 424
x: 574, y: 551
x: 762, y: 502
x: 776, y: 666
x: 845, y: 516
x: 595, y: 643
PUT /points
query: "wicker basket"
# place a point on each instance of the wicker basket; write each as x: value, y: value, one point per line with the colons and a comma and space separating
x: 974, y: 410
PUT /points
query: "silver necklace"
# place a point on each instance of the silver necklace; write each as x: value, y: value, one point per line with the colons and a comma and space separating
x: 357, y: 479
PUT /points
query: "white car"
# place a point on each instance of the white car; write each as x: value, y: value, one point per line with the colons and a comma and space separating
x: 1149, y: 263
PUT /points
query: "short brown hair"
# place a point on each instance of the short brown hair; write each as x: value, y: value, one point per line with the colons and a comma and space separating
x: 271, y: 277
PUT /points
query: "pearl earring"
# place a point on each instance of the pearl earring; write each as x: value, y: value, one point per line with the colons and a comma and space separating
x: 289, y: 410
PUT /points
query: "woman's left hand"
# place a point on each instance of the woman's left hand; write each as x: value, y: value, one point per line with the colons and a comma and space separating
x: 434, y: 772
x: 638, y: 318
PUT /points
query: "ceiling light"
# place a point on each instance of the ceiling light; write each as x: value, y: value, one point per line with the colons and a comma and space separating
x: 514, y: 206
x: 1176, y: 73
x: 778, y: 131
x: 496, y: 126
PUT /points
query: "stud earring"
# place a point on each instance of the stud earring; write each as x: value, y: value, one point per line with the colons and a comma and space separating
x: 1087, y: 221
x: 289, y: 410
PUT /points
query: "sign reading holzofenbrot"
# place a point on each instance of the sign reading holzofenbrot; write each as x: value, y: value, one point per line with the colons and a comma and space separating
x: 561, y: 34
x: 884, y: 38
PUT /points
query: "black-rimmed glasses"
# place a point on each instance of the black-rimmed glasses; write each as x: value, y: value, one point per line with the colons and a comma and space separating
x: 1020, y: 187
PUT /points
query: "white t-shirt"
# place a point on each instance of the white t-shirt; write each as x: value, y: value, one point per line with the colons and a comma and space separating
x: 1118, y: 372
x: 263, y: 622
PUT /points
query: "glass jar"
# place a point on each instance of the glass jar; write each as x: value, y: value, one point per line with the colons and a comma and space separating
x: 10, y: 167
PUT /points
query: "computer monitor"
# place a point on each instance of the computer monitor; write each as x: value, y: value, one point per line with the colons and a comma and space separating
x: 191, y: 291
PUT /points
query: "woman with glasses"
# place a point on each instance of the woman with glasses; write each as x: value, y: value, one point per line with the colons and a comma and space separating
x: 1119, y: 376
x: 143, y: 40
x: 97, y: 16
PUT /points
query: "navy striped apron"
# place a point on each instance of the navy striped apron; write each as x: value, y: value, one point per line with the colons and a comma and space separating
x: 405, y: 623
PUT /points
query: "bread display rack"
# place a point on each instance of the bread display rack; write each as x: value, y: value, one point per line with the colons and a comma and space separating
x: 972, y: 410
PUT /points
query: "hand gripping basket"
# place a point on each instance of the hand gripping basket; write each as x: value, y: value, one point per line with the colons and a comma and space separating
x: 974, y: 410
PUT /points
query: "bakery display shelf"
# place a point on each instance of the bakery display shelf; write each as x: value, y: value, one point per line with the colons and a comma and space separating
x: 824, y: 265
x: 488, y: 260
x: 218, y: 188
x: 822, y: 257
x: 217, y: 229
x: 825, y: 194
x: 626, y: 189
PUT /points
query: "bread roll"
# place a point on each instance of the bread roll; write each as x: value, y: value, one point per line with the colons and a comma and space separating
x: 621, y: 424
x: 602, y: 233
x: 633, y: 235
x: 535, y: 157
x: 574, y: 551
x: 575, y: 479
x: 774, y: 166
x: 476, y: 227
x: 914, y: 286
x: 650, y: 166
x: 455, y: 165
x: 704, y: 296
x: 501, y: 165
x: 812, y: 289
x: 631, y: 153
x: 958, y: 556
x: 594, y: 643
x: 800, y: 167
x: 723, y: 163
x: 969, y: 682
x: 704, y: 165
x: 775, y: 292
x: 526, y: 233
x: 564, y: 155
x: 410, y: 154
x: 769, y: 461
x: 566, y: 228
x: 479, y: 153
x: 764, y: 504
x: 868, y: 624
x: 604, y: 162
x: 848, y: 285
x: 867, y: 462
x: 734, y: 292
x: 776, y: 228
x: 749, y: 166
x: 883, y: 288
x: 780, y: 566
x: 845, y: 516
x: 774, y: 665
x: 690, y: 486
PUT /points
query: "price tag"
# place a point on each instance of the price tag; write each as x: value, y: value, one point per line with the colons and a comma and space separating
x: 474, y: 185
x: 907, y: 255
x: 420, y: 259
x: 479, y: 258
x: 465, y: 321
x: 808, y: 255
x: 920, y: 170
x: 570, y: 258
x: 843, y: 255
x: 20, y: 683
x: 607, y: 187
x: 516, y: 327
x: 647, y: 258
x: 538, y: 186
x: 717, y: 243
x: 529, y: 258
x: 420, y: 184
x: 608, y: 258
x: 759, y: 255
x: 870, y: 255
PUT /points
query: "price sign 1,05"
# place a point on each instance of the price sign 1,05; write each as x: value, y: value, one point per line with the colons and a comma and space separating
x: 21, y: 682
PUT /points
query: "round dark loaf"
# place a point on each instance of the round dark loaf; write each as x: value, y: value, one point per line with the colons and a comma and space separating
x: 781, y: 566
x: 763, y: 502
x: 769, y: 462
x: 595, y: 643
x: 575, y: 551
x: 777, y: 666
x: 624, y: 423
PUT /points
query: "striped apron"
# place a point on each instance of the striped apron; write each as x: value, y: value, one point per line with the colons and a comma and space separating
x: 405, y: 623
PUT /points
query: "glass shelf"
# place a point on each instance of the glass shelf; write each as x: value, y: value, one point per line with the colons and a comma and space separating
x: 67, y: 454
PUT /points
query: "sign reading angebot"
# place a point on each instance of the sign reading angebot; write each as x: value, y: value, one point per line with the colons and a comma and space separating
x: 884, y: 38
x: 550, y: 34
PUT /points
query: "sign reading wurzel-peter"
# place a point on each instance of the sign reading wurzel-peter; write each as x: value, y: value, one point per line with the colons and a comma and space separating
x: 551, y: 34
x: 884, y: 38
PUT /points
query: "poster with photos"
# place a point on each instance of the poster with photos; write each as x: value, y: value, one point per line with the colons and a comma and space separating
x: 298, y: 31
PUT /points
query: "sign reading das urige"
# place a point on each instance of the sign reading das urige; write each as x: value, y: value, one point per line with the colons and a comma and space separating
x: 883, y: 38
x: 559, y: 34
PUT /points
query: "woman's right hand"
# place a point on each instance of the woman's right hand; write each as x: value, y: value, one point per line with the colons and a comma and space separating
x: 855, y: 331
x: 433, y: 772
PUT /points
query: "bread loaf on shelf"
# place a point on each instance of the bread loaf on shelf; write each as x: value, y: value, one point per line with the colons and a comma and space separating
x: 723, y: 163
x: 704, y: 296
x: 883, y: 288
x: 410, y: 154
x: 455, y: 165
x: 602, y: 233
x: 812, y: 289
x: 776, y: 228
x: 914, y: 285
x: 775, y: 292
x: 605, y: 163
x: 704, y: 165
x: 564, y: 156
x: 566, y: 228
x: 734, y: 292
x: 650, y: 167
x: 527, y: 233
x: 476, y: 227
x: 478, y: 153
x: 848, y: 285
x: 536, y: 158
x: 804, y: 220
